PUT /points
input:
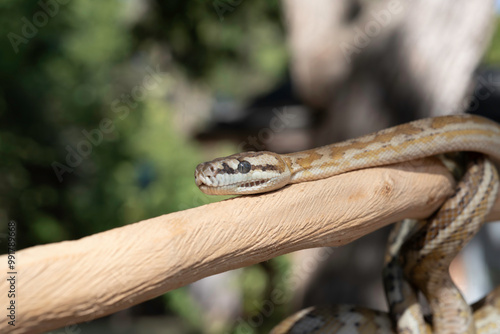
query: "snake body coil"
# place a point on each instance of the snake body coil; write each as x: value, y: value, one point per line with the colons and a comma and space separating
x: 419, y: 253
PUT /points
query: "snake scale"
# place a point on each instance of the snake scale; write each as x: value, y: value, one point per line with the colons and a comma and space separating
x: 419, y: 252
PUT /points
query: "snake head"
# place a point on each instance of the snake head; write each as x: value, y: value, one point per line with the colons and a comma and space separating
x: 242, y: 173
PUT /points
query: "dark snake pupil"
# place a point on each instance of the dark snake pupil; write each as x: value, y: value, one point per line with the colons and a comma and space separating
x: 244, y: 167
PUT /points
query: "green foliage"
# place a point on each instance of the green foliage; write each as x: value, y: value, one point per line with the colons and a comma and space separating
x: 65, y: 76
x: 79, y: 153
x: 492, y: 56
x: 181, y: 302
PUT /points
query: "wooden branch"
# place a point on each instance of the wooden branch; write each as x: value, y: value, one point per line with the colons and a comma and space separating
x: 75, y: 281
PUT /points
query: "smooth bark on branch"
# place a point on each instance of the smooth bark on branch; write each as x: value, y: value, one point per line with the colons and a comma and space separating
x: 69, y: 282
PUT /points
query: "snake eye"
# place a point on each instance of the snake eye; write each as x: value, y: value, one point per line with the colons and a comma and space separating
x: 244, y: 167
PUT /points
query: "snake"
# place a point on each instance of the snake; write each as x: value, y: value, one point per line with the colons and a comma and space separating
x: 420, y: 253
x: 426, y: 265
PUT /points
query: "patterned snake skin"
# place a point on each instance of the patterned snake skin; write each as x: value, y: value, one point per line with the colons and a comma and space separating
x: 419, y: 253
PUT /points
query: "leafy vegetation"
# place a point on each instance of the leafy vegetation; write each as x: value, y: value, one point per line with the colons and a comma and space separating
x: 98, y: 104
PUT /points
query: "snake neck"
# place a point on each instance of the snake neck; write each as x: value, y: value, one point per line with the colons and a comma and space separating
x: 414, y: 140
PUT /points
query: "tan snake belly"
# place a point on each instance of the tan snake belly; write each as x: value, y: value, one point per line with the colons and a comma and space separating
x: 256, y: 172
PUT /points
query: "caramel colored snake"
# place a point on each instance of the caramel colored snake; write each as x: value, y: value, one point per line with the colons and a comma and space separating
x: 419, y: 253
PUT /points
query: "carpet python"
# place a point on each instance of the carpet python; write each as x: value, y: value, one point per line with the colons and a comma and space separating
x: 419, y: 252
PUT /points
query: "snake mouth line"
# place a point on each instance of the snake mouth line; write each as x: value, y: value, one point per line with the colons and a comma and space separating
x: 247, y: 184
x: 237, y: 188
x: 253, y: 183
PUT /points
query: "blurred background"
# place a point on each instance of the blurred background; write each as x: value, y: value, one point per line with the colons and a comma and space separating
x: 106, y: 108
